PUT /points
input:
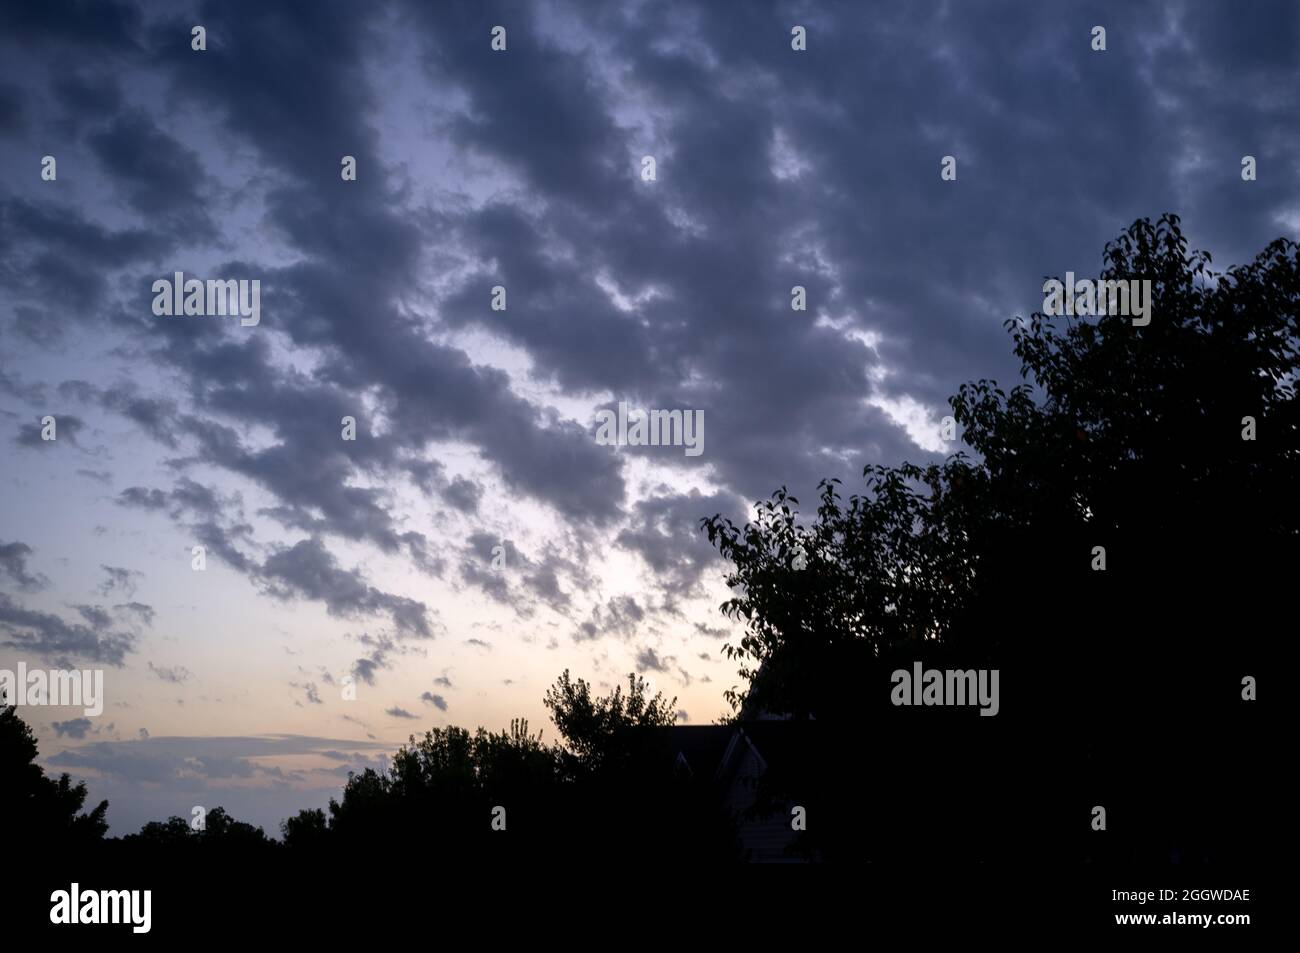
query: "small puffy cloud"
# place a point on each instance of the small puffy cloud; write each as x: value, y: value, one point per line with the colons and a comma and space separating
x: 76, y: 728
x: 437, y: 701
x: 176, y: 675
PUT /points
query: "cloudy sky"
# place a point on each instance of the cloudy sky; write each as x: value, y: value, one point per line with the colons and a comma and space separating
x: 521, y: 168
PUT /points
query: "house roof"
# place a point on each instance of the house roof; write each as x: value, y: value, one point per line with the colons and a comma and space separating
x: 788, y: 744
x: 701, y: 747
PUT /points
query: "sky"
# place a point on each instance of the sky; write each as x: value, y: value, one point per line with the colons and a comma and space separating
x: 476, y: 539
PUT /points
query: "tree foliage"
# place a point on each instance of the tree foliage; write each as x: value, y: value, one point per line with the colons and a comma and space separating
x: 1124, y: 437
x: 34, y: 806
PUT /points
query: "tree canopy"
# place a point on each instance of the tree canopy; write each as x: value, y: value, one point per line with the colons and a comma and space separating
x: 1115, y: 539
x: 33, y: 805
x: 1121, y: 437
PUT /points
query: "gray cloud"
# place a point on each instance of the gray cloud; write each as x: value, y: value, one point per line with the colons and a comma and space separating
x: 119, y: 578
x: 165, y: 759
x: 665, y: 532
x: 176, y: 675
x: 619, y: 616
x: 76, y: 728
x: 309, y: 691
x: 49, y: 636
x: 307, y: 570
x: 139, y: 612
x: 463, y: 494
x: 156, y: 176
x: 66, y: 429
x: 13, y: 563
x: 647, y: 659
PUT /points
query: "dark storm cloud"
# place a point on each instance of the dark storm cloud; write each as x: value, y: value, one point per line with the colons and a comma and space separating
x: 13, y: 563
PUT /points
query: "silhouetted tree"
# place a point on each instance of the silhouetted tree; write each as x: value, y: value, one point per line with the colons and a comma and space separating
x: 1129, y: 440
x: 621, y: 786
x: 441, y: 792
x: 610, y: 733
x: 33, y: 807
x: 220, y: 838
x: 307, y: 830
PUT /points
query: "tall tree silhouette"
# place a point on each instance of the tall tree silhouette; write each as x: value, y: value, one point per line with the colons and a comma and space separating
x: 1165, y: 453
x: 35, y: 808
x: 621, y: 784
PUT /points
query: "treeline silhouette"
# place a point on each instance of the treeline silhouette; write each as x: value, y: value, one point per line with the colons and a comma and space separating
x: 475, y: 797
x: 1120, y: 545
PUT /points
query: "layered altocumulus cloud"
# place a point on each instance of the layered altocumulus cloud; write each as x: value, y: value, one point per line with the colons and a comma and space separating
x: 774, y: 169
x: 263, y: 778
